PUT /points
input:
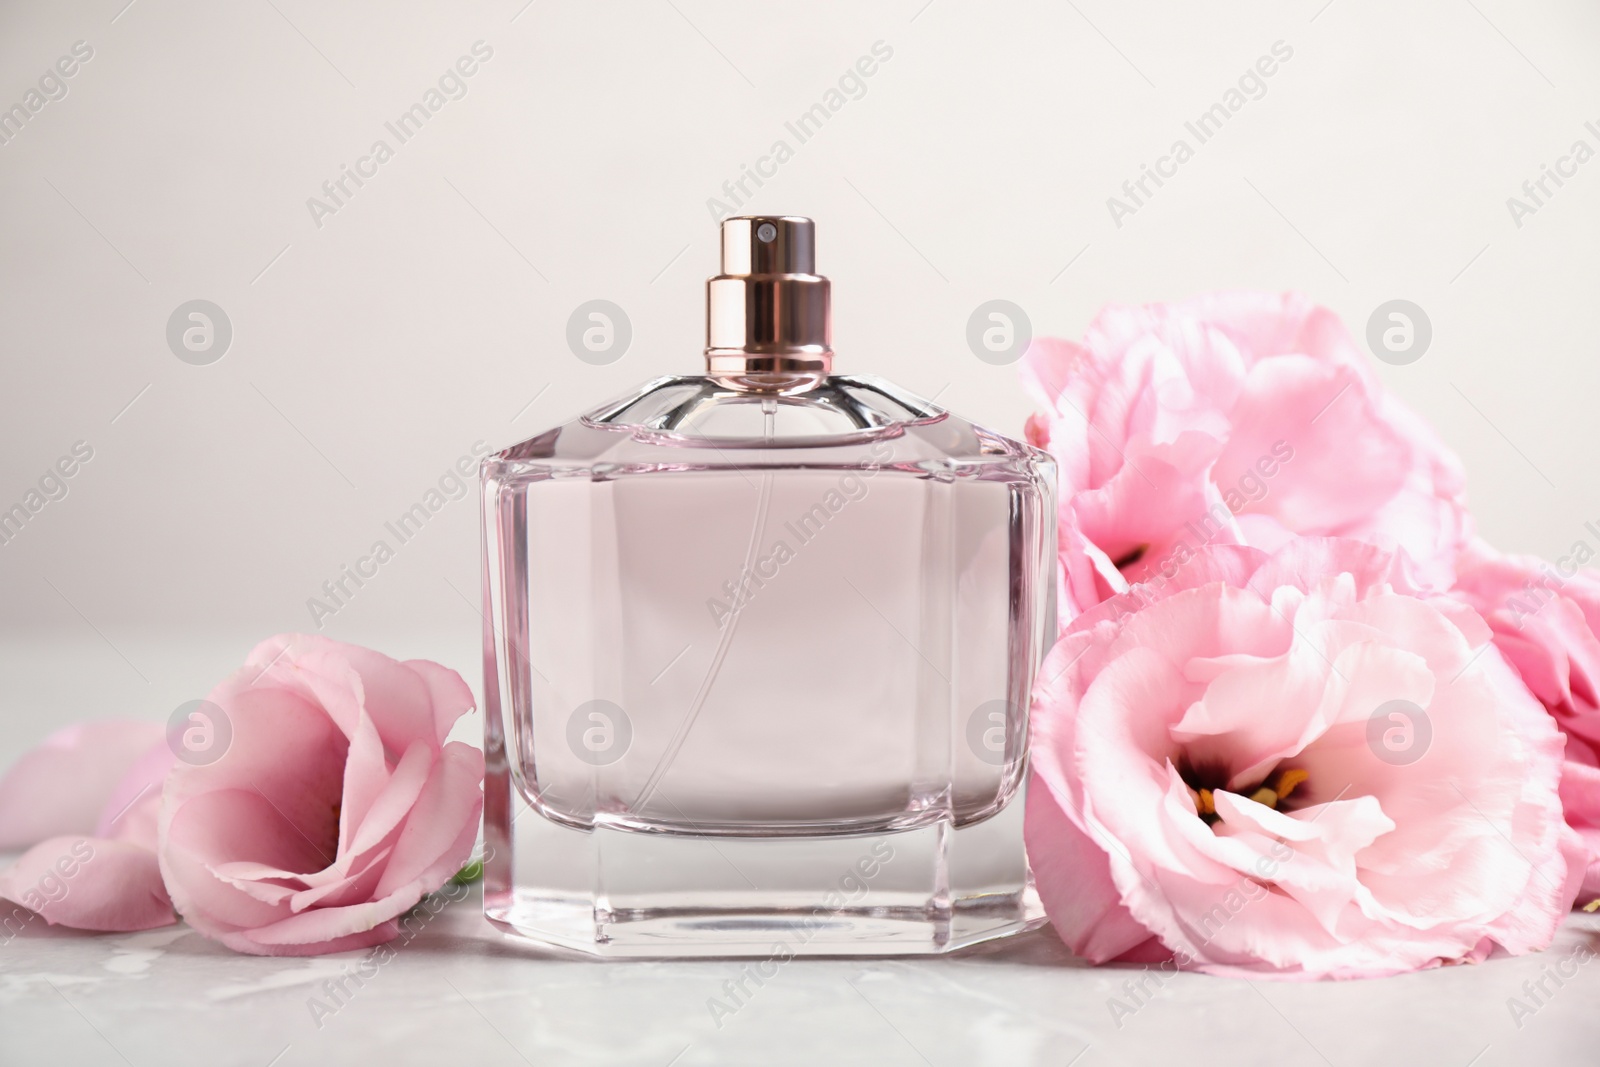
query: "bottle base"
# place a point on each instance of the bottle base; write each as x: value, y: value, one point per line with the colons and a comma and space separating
x: 615, y: 893
x: 708, y: 934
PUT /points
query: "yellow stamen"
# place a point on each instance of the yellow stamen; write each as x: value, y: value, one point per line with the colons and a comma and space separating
x: 1265, y: 796
x: 1289, y: 779
x: 1203, y: 803
x: 1592, y: 905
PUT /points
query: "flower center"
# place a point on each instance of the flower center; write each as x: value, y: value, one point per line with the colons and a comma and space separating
x: 1131, y: 557
x: 1204, y: 781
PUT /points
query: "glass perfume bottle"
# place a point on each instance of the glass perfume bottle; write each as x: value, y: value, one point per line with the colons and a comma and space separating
x: 758, y: 650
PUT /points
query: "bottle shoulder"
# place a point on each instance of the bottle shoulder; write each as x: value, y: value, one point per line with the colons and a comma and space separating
x: 697, y: 422
x: 691, y: 409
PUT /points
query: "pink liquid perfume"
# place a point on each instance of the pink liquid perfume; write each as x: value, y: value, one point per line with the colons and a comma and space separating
x: 758, y: 648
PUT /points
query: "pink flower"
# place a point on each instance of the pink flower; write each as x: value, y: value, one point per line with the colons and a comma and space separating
x: 1294, y: 765
x: 84, y: 806
x: 1235, y: 418
x: 1545, y: 618
x: 336, y: 805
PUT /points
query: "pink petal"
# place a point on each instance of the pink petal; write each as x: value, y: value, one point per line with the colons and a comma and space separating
x: 366, y: 773
x: 60, y: 787
x: 134, y: 806
x: 1049, y: 367
x: 1153, y: 503
x: 353, y: 887
x: 323, y: 930
x: 399, y: 797
x: 448, y: 692
x: 1580, y: 799
x: 1074, y: 882
x: 1307, y: 561
x: 1272, y: 324
x: 1346, y: 459
x: 90, y: 884
x: 312, y: 669
x: 223, y: 827
x: 399, y: 697
x: 430, y: 848
x: 312, y: 936
x: 283, y: 750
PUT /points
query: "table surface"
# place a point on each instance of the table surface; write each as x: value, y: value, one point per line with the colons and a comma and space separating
x: 461, y: 992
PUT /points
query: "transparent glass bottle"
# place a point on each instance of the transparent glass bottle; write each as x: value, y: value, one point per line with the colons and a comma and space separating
x: 758, y: 649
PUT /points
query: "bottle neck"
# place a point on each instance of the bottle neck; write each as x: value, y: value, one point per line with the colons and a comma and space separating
x: 770, y: 383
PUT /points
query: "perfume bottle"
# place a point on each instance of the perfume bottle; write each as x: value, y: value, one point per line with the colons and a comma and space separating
x: 758, y: 648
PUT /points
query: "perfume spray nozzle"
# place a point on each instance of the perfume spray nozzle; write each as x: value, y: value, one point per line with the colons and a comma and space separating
x: 767, y: 314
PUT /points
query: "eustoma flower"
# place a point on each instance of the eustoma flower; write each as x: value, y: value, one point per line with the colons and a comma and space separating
x: 336, y: 805
x: 1545, y: 618
x: 1236, y: 418
x: 1297, y: 765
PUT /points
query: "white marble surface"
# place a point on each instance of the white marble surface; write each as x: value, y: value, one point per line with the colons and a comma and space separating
x: 460, y: 992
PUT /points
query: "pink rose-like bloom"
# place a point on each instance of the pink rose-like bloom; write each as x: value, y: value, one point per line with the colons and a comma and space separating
x: 83, y: 804
x: 1545, y: 618
x: 335, y: 807
x: 1234, y: 418
x: 1221, y: 779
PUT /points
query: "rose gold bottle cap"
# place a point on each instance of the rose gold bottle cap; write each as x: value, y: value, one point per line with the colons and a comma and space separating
x: 768, y: 325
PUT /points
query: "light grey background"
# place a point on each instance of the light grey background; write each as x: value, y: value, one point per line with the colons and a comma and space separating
x: 371, y: 353
x: 430, y: 312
